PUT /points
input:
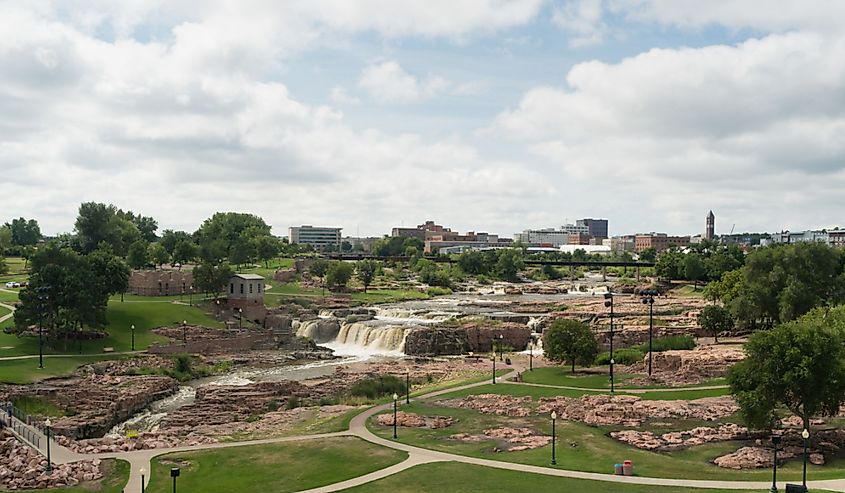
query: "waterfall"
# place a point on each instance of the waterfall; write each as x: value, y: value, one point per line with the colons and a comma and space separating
x: 387, y: 337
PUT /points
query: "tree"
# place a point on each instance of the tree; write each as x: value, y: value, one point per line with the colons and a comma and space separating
x: 338, y: 274
x: 169, y: 239
x: 670, y: 265
x: 694, y: 269
x: 318, y: 269
x: 567, y: 340
x: 550, y: 272
x: 648, y: 255
x: 5, y: 238
x: 23, y: 232
x: 799, y: 365
x: 473, y: 263
x: 509, y: 264
x: 366, y: 272
x: 158, y: 254
x: 138, y: 256
x: 715, y: 319
x: 219, y: 235
x: 100, y: 223
x: 266, y: 248
x: 781, y: 283
x: 4, y: 268
x: 242, y: 251
x: 212, y: 278
x: 184, y: 251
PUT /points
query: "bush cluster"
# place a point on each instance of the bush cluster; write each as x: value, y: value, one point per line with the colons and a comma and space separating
x: 378, y: 386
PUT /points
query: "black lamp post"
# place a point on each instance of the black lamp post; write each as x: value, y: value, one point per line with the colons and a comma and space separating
x: 648, y: 299
x: 184, y: 331
x: 554, y: 418
x: 493, y: 359
x: 240, y: 318
x: 174, y: 473
x: 776, y: 443
x: 191, y: 296
x: 407, y: 387
x: 43, y: 296
x: 806, y: 436
x: 132, y: 328
x: 143, y: 479
x: 608, y: 302
x: 531, y: 355
x: 47, y: 425
x: 395, y: 399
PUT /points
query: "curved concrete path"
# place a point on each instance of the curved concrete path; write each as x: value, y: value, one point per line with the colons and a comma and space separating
x: 142, y: 458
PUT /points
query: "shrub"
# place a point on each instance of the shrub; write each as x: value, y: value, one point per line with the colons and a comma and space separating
x: 625, y: 356
x: 182, y: 363
x: 378, y: 386
x: 292, y: 403
x: 328, y: 401
x: 668, y: 343
x: 437, y: 291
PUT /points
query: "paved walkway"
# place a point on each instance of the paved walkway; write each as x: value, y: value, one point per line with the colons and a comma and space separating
x: 8, y: 315
x: 142, y: 458
x: 621, y: 390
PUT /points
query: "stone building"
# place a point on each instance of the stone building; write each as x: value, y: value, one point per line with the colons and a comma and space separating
x: 160, y: 282
x: 659, y: 241
x: 245, y: 295
x: 710, y: 226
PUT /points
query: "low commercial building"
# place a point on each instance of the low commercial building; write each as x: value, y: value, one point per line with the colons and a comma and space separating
x: 543, y: 237
x: 659, y: 241
x: 318, y: 237
x: 422, y: 232
x: 620, y: 243
x: 596, y: 228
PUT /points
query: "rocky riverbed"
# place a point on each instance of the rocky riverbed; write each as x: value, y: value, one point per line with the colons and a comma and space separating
x: 21, y: 468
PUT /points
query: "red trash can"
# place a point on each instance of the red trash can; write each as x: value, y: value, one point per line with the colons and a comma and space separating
x: 628, y: 468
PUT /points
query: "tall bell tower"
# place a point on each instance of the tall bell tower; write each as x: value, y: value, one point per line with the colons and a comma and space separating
x: 709, y: 233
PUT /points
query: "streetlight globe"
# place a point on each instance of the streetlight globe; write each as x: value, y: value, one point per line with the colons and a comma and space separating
x: 143, y: 471
x: 184, y: 322
x: 612, y: 362
x: 48, y: 423
x: 395, y: 396
x: 133, y: 326
x: 554, y: 414
x: 805, y: 434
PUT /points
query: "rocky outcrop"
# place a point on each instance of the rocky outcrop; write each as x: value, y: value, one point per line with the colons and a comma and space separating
x: 500, y: 405
x: 629, y: 410
x: 411, y: 420
x: 435, y: 341
x: 143, y: 441
x: 95, y: 403
x: 689, y: 367
x: 676, y: 440
x: 220, y: 404
x: 21, y: 468
x: 510, y: 439
x: 750, y: 458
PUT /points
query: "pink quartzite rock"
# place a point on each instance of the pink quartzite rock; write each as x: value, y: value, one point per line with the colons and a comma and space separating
x: 411, y: 420
x: 500, y: 405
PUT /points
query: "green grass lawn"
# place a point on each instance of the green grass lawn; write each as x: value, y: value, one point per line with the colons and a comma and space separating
x: 455, y: 477
x: 276, y: 468
x: 8, y: 297
x: 23, y: 371
x: 389, y: 295
x: 294, y: 289
x: 116, y: 474
x: 688, y: 291
x: 584, y: 448
x: 4, y: 311
x: 537, y: 392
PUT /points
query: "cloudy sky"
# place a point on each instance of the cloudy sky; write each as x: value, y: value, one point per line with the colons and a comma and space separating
x: 490, y: 115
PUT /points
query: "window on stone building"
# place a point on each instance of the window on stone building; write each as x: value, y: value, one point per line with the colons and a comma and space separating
x: 242, y: 288
x: 231, y: 288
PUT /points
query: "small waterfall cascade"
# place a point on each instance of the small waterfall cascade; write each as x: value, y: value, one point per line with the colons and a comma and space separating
x: 385, y: 337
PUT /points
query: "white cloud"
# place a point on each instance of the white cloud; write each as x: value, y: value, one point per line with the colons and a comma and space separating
x: 732, y: 126
x: 387, y: 82
x: 340, y: 96
x: 583, y: 20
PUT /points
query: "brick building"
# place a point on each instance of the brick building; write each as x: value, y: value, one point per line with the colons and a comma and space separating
x: 160, y: 282
x: 659, y: 241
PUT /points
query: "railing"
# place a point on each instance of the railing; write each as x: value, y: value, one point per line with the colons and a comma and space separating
x: 17, y: 421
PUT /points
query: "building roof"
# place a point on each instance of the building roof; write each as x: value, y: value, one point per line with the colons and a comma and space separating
x: 250, y: 277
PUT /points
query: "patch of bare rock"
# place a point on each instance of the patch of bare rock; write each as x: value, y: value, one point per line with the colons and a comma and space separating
x: 686, y: 367
x: 676, y: 440
x: 21, y: 468
x: 510, y: 439
x: 500, y: 405
x: 632, y: 411
x: 411, y: 420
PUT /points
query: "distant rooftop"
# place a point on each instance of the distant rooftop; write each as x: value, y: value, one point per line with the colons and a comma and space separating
x: 250, y: 277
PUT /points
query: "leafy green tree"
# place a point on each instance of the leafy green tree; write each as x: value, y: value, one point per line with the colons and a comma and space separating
x: 715, y: 319
x: 670, y: 265
x: 169, y: 239
x: 550, y: 272
x: 567, y: 340
x: 5, y: 238
x: 158, y: 254
x: 431, y: 274
x: 266, y: 248
x: 473, y: 263
x: 345, y: 246
x: 648, y: 255
x: 24, y: 232
x: 338, y: 274
x: 509, y: 264
x: 242, y: 251
x: 318, y: 269
x: 100, y: 223
x: 799, y: 365
x: 694, y: 269
x: 225, y: 231
x: 212, y: 278
x: 138, y: 255
x: 185, y: 251
x: 781, y: 283
x: 366, y: 272
x: 4, y: 268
